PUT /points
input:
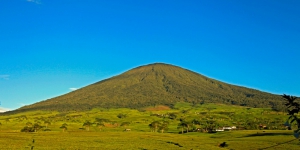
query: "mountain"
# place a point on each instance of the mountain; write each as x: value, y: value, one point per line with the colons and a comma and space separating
x: 156, y: 84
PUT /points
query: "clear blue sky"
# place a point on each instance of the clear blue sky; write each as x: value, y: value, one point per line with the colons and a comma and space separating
x: 50, y: 46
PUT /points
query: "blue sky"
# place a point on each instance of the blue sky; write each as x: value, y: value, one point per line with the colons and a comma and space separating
x: 48, y: 47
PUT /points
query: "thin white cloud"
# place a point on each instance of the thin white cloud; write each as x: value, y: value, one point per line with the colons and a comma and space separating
x: 5, y: 77
x: 34, y: 1
x: 4, y: 109
x: 73, y: 89
x: 22, y: 104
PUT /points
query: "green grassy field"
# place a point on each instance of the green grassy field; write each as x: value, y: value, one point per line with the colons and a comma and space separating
x: 145, y: 140
x: 111, y: 134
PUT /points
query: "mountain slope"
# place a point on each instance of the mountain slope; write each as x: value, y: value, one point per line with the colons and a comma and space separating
x: 152, y: 85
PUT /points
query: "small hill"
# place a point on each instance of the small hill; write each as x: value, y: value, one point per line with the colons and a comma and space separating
x: 156, y: 84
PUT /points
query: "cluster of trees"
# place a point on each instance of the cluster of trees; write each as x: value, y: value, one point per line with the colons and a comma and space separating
x: 204, y: 122
x: 184, y: 126
x: 37, y: 126
x: 155, y: 126
x: 31, y: 127
x: 159, y: 126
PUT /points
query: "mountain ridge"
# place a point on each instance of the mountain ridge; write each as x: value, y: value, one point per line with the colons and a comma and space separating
x: 156, y: 84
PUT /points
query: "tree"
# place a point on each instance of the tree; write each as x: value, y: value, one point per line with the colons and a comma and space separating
x: 36, y: 127
x: 100, y: 122
x: 27, y: 129
x: 164, y: 126
x: 47, y: 123
x: 64, y: 127
x: 196, y: 122
x: 293, y: 110
x: 87, y: 125
x: 209, y: 125
x: 182, y: 125
x: 154, y: 126
x: 31, y: 128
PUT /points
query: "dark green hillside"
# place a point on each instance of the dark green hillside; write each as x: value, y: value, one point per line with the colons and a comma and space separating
x: 156, y: 84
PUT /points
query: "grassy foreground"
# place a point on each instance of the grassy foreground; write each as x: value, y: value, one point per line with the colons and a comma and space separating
x: 108, y: 133
x: 248, y: 139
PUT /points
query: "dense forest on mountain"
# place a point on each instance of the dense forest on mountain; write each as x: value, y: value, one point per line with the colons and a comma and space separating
x: 157, y: 84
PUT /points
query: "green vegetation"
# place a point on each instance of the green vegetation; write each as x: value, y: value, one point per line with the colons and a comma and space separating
x: 64, y: 127
x: 138, y: 140
x: 153, y: 85
x: 163, y: 107
x: 186, y: 126
x: 293, y: 110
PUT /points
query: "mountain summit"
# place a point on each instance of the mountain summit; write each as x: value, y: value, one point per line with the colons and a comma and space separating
x: 155, y: 84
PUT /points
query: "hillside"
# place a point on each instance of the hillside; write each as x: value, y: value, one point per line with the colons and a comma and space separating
x: 156, y: 84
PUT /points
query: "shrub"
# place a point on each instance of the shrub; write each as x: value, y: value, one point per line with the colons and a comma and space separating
x: 27, y: 129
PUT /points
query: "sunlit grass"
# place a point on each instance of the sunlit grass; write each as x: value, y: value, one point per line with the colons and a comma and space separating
x: 145, y: 140
x: 112, y: 136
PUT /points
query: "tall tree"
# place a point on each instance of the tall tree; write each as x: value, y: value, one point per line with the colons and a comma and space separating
x: 293, y: 110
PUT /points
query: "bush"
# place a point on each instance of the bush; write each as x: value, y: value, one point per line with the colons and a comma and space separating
x: 47, y: 130
x: 121, y: 115
x: 27, y: 129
